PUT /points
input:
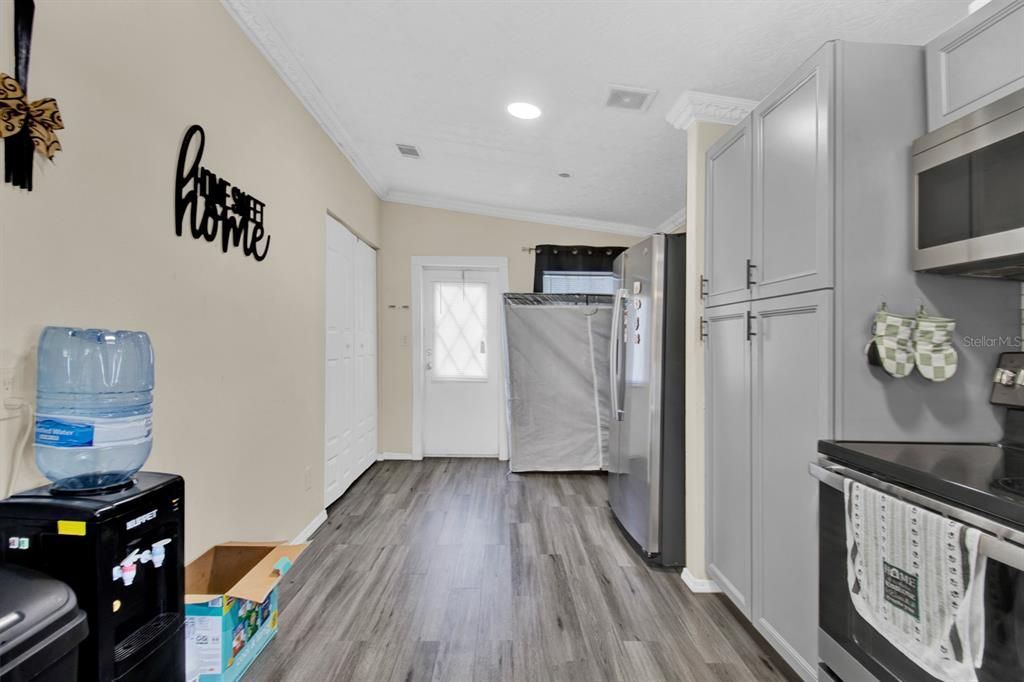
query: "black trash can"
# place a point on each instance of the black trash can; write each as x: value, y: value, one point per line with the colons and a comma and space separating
x: 41, y: 627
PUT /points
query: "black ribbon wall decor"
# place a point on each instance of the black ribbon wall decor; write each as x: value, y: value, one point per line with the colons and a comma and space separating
x: 212, y: 206
x: 25, y: 126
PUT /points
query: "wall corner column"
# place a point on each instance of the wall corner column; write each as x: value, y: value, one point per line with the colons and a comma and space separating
x: 704, y: 118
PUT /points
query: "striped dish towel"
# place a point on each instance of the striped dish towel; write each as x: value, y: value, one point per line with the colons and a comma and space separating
x: 918, y: 579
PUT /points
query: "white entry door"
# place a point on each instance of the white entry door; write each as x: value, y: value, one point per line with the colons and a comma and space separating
x: 350, y: 381
x: 461, y: 363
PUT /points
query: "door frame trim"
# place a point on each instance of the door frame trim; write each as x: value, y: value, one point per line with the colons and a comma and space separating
x: 420, y: 264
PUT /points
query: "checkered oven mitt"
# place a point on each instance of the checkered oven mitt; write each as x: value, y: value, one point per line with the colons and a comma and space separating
x: 890, y: 344
x: 933, y: 347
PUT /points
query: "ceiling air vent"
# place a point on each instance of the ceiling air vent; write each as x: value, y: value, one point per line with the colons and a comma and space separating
x: 408, y: 151
x: 628, y: 97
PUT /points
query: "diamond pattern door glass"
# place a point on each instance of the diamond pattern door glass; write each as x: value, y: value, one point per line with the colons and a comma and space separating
x: 460, y: 331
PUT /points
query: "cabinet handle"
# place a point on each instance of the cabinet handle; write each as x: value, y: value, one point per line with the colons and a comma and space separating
x: 703, y: 329
x: 750, y: 325
x: 750, y: 274
x: 704, y: 282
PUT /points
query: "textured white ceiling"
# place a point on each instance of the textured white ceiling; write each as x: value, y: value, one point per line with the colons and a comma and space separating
x: 438, y: 75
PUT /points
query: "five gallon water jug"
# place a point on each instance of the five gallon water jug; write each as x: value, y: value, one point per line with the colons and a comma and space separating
x: 94, y: 406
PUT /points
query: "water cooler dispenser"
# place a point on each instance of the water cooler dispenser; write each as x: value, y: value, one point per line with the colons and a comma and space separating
x: 115, y: 535
x: 122, y: 553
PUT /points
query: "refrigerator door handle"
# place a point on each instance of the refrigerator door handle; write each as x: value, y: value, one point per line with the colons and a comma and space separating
x: 613, y: 354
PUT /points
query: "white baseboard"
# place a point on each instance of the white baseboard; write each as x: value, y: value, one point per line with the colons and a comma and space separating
x: 699, y: 585
x: 308, y: 531
x: 397, y: 456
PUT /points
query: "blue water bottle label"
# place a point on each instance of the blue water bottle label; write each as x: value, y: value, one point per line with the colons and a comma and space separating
x: 61, y: 434
x: 57, y: 431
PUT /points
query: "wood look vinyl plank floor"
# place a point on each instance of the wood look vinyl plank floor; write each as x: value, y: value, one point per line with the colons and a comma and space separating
x: 453, y: 570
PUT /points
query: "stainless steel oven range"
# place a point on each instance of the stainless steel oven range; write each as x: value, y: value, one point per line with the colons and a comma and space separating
x: 979, y: 485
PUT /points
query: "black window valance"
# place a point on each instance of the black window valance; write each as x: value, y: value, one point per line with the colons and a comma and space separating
x: 559, y: 258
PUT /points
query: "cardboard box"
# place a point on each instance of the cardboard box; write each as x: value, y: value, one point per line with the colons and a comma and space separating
x: 231, y: 606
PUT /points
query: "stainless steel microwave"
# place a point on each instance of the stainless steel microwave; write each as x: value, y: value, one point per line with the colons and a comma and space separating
x: 969, y: 194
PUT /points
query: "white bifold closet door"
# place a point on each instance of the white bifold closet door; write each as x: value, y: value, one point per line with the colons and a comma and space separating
x: 350, y: 383
x: 365, y: 401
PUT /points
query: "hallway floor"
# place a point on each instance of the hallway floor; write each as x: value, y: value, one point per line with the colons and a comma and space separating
x: 456, y: 570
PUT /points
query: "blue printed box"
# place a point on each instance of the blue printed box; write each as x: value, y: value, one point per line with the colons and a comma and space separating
x: 231, y: 611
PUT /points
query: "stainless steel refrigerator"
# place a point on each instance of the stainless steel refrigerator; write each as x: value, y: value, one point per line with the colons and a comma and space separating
x: 646, y: 468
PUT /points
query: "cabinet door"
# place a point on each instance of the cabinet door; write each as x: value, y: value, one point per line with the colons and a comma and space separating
x: 791, y: 364
x: 793, y: 182
x: 727, y: 231
x: 976, y: 62
x: 727, y: 439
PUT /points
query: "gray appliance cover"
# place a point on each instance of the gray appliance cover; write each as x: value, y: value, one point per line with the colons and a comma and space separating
x: 557, y: 383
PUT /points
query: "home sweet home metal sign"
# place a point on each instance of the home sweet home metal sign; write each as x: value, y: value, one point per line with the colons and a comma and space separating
x: 212, y: 208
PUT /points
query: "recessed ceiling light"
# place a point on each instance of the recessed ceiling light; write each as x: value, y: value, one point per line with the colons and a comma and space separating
x: 564, y: 175
x: 524, y: 110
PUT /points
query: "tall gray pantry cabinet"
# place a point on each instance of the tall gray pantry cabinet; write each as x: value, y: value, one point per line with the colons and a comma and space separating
x: 808, y: 231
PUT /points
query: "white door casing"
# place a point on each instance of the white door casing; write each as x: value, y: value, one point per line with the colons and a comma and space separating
x: 458, y: 357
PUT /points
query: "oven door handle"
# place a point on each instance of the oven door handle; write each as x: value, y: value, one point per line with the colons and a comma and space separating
x: 998, y: 542
x: 826, y: 475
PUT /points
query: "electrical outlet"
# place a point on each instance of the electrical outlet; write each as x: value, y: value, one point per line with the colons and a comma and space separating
x: 9, y: 398
x: 309, y: 478
x: 7, y: 381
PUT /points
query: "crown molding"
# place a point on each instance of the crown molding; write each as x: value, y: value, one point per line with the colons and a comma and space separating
x: 262, y: 32
x: 267, y: 39
x: 695, y: 106
x: 673, y: 222
x: 413, y: 199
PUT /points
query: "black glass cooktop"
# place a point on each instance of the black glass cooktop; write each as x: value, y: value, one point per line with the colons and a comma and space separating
x: 986, y: 478
x: 1013, y: 484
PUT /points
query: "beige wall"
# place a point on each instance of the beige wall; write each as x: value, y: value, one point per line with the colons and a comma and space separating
x: 408, y: 231
x: 239, y: 344
x: 699, y: 137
